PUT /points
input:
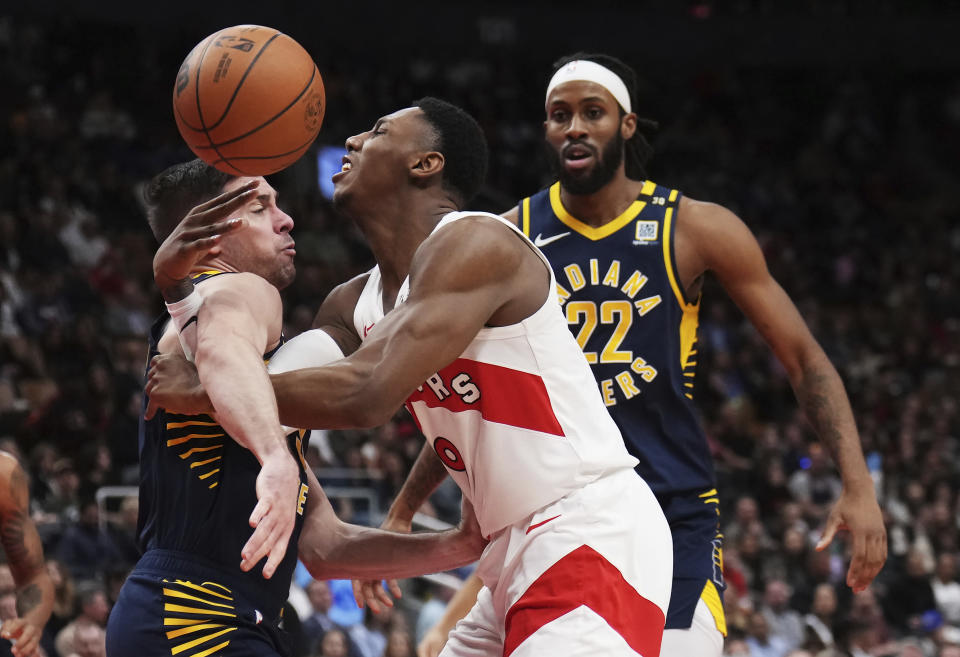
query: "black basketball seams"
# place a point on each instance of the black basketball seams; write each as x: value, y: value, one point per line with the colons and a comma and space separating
x: 253, y: 63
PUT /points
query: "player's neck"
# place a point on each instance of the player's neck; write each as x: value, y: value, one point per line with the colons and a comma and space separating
x: 604, y: 205
x: 394, y: 236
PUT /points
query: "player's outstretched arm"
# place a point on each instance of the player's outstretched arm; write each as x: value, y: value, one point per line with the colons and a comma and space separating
x: 333, y: 549
x: 727, y: 247
x: 234, y: 324
x: 464, y: 276
x: 458, y: 607
x: 24, y: 551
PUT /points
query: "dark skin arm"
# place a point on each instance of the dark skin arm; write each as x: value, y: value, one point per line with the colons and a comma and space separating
x: 710, y: 237
x: 471, y: 274
x: 21, y: 543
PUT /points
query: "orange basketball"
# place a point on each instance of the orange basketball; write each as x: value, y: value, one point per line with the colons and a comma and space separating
x: 249, y: 100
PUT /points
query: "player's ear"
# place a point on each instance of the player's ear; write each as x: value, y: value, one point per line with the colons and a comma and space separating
x: 427, y: 164
x: 628, y: 125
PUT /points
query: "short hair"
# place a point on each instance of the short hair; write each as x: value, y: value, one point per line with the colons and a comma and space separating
x: 462, y: 143
x: 638, y: 149
x: 170, y: 195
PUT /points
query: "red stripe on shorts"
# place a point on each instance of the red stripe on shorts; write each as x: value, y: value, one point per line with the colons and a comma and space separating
x: 585, y: 577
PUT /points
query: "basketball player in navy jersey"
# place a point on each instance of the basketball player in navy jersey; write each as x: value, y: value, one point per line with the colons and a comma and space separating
x: 630, y: 256
x: 226, y: 495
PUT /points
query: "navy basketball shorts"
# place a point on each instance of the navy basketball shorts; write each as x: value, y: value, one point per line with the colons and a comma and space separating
x: 172, y: 606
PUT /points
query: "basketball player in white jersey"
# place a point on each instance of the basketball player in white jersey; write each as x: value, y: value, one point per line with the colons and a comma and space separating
x: 460, y: 322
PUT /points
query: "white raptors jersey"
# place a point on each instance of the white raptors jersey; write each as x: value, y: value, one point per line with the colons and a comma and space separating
x: 518, y: 419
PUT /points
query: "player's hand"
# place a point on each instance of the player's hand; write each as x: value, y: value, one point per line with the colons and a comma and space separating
x: 857, y: 511
x: 278, y: 486
x: 432, y: 643
x: 173, y: 384
x: 370, y: 591
x: 199, y: 234
x: 25, y: 635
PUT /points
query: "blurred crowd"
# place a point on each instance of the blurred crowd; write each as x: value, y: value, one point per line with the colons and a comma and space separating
x: 845, y: 177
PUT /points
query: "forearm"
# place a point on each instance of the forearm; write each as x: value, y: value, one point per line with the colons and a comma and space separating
x: 354, y: 552
x: 461, y: 603
x: 337, y: 396
x: 822, y: 397
x: 237, y: 384
x: 35, y: 599
x: 427, y: 473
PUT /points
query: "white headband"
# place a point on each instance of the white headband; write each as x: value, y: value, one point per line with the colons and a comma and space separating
x: 582, y: 70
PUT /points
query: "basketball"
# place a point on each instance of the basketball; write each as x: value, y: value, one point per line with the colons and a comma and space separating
x: 249, y: 100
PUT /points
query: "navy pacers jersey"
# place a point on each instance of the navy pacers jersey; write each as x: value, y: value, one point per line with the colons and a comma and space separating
x: 197, y: 490
x: 620, y: 291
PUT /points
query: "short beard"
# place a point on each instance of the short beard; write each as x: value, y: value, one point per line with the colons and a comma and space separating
x: 603, y: 170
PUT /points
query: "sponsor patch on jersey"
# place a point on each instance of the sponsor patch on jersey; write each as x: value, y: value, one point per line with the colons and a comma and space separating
x: 647, y: 231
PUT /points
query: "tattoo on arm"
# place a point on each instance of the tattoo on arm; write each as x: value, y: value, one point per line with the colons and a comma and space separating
x: 815, y: 399
x: 28, y: 599
x: 17, y: 534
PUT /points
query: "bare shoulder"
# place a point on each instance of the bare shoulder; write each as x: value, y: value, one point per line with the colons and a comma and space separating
x: 474, y: 238
x: 13, y: 483
x: 240, y: 282
x: 512, y: 215
x: 719, y: 238
x: 335, y: 315
x: 699, y: 216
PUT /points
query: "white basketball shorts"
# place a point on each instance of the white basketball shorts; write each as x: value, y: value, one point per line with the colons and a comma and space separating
x: 589, y: 574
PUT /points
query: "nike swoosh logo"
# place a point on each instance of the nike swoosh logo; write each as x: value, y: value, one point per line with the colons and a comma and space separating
x: 540, y: 240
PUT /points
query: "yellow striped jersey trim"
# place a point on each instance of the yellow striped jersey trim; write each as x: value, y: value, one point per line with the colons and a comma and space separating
x: 709, y: 493
x: 599, y: 232
x: 192, y: 436
x: 206, y: 475
x: 194, y: 450
x: 208, y: 272
x: 711, y: 597
x: 197, y: 464
x: 181, y: 425
x: 525, y: 216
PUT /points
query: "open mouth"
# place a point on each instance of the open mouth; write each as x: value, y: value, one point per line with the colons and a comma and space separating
x: 344, y: 168
x: 577, y: 156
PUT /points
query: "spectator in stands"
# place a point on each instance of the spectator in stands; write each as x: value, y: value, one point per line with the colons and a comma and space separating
x: 90, y: 641
x: 910, y: 595
x: 820, y: 621
x: 86, y: 548
x: 92, y: 600
x: 946, y: 589
x: 761, y: 642
x: 333, y: 644
x: 782, y: 621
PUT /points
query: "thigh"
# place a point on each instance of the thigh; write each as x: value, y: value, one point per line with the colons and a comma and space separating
x: 478, y: 634
x: 702, y: 638
x: 579, y: 633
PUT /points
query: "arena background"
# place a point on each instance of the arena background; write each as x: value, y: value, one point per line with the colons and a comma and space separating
x: 831, y: 128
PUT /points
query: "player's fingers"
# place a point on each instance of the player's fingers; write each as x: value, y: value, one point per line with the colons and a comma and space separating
x: 152, y: 408
x: 28, y: 642
x: 833, y: 523
x: 221, y: 210
x: 277, y: 552
x: 227, y: 196
x: 12, y: 628
x: 382, y: 595
x: 855, y: 574
x: 357, y: 592
x: 876, y: 556
x: 191, y: 238
x: 394, y: 587
x: 259, y: 512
